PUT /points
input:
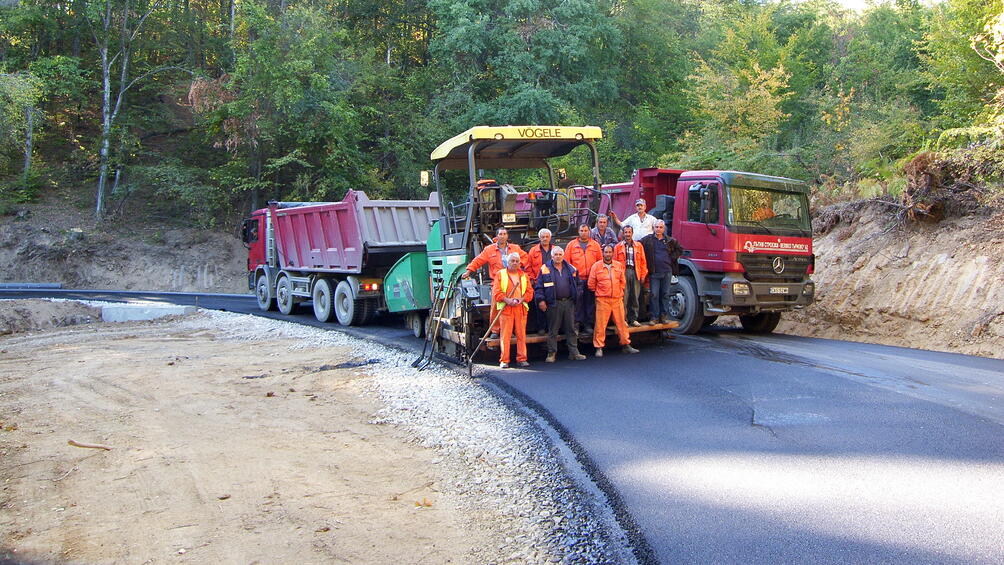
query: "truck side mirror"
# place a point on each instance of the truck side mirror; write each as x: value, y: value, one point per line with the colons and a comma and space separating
x: 423, y: 178
x: 705, y: 204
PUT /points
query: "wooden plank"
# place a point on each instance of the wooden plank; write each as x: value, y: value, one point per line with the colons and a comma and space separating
x: 583, y: 337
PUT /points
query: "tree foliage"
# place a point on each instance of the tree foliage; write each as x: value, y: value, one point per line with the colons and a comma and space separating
x: 304, y: 99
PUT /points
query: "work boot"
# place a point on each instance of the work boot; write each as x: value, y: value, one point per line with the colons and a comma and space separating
x: 634, y: 323
x: 503, y: 365
x: 663, y: 319
x: 550, y: 357
x: 541, y: 331
x: 599, y: 352
x: 629, y: 349
x: 576, y: 357
x: 522, y: 363
x: 494, y: 335
x: 652, y: 321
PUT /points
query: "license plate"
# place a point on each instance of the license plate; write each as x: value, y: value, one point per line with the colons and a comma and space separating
x: 779, y: 290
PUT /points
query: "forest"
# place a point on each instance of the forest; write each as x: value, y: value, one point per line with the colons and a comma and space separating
x: 212, y: 107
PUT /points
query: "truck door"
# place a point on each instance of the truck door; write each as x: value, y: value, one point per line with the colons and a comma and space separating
x: 252, y: 233
x: 702, y: 232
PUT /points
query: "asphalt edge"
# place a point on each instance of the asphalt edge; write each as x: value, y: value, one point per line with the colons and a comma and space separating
x: 640, y: 547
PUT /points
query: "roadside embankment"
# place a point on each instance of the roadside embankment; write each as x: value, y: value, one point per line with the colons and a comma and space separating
x: 880, y: 280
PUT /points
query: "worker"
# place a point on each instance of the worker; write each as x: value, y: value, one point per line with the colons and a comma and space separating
x: 606, y: 280
x: 582, y: 252
x: 538, y: 255
x: 631, y: 255
x: 662, y: 256
x: 642, y: 222
x: 511, y: 291
x: 495, y: 255
x: 555, y: 292
x: 603, y: 233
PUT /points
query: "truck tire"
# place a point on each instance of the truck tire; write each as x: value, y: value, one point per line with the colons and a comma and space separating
x: 284, y: 295
x: 762, y: 323
x: 685, y: 307
x: 416, y: 323
x: 323, y: 298
x: 349, y: 310
x: 263, y: 293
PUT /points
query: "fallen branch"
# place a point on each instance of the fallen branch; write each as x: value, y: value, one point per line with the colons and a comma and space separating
x: 88, y: 445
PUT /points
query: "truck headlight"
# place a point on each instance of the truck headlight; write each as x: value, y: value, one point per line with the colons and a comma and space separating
x: 740, y: 289
x: 809, y: 288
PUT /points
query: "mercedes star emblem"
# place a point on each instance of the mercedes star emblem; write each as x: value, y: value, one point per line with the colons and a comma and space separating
x: 778, y: 265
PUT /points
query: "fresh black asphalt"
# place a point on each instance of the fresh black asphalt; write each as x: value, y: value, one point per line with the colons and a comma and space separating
x: 722, y: 448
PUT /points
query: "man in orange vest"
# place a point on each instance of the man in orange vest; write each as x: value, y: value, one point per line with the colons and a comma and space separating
x: 631, y: 255
x: 582, y: 253
x: 606, y: 279
x: 511, y: 291
x: 494, y: 255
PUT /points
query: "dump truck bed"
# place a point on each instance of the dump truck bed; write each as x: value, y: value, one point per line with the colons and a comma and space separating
x: 351, y: 236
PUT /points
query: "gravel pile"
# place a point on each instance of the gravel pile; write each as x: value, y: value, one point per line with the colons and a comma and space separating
x: 490, y: 456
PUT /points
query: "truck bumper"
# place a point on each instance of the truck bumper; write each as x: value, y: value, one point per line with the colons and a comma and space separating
x: 742, y: 295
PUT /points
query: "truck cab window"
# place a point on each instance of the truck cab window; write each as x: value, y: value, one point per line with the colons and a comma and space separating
x: 694, y: 203
x: 251, y: 230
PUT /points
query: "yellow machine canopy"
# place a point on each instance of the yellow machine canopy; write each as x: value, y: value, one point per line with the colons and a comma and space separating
x: 512, y: 147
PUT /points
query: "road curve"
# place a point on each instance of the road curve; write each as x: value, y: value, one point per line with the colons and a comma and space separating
x: 725, y: 448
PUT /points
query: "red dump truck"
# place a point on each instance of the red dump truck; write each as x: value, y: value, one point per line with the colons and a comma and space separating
x: 333, y: 253
x: 748, y: 242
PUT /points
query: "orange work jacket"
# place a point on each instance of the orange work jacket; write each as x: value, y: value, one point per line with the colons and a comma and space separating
x: 640, y: 263
x: 536, y: 261
x: 607, y: 283
x: 492, y: 256
x: 583, y: 260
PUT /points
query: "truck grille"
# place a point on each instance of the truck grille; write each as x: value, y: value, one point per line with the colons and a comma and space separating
x: 760, y: 266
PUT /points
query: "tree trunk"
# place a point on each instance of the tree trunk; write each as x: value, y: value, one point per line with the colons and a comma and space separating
x: 106, y: 132
x: 29, y: 131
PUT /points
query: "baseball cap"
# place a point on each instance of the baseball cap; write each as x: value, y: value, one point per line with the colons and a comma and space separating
x: 639, y: 201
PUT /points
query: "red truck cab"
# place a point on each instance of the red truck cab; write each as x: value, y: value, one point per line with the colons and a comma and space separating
x: 748, y: 242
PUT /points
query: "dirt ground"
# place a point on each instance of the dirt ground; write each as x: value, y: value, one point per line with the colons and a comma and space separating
x: 221, y: 452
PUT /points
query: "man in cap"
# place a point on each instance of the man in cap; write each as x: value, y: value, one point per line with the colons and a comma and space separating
x: 511, y: 291
x: 642, y: 222
x: 606, y: 279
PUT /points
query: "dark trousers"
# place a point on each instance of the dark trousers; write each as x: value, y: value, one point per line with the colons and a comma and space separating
x: 632, y: 293
x: 585, y: 308
x: 561, y: 319
x: 660, y: 291
x: 538, y: 317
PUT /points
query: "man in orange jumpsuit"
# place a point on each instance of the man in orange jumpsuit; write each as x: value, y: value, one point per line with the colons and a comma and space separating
x: 631, y: 255
x: 511, y: 291
x: 606, y: 279
x: 494, y: 255
x: 582, y: 253
x: 539, y: 254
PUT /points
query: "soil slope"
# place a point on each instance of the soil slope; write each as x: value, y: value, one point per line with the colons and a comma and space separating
x: 879, y: 280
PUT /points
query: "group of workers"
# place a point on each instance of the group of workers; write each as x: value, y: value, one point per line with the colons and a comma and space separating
x: 595, y: 278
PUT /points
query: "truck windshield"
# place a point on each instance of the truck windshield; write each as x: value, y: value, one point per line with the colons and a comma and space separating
x: 768, y: 211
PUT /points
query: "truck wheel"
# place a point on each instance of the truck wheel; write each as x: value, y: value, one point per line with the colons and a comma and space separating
x: 762, y: 323
x: 415, y: 323
x: 349, y: 310
x: 263, y: 292
x: 685, y: 307
x: 284, y: 295
x: 323, y: 300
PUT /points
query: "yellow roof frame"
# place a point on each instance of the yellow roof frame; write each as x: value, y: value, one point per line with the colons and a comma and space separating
x: 513, y: 147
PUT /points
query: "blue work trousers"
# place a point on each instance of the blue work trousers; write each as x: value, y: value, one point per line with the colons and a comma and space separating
x: 661, y: 290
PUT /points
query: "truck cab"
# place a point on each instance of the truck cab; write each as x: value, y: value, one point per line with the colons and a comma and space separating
x: 747, y: 240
